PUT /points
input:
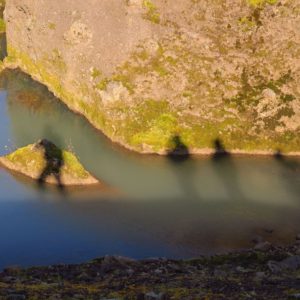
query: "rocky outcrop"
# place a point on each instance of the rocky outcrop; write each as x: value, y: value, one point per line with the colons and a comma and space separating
x: 144, y: 71
x: 46, y: 163
x: 243, y: 275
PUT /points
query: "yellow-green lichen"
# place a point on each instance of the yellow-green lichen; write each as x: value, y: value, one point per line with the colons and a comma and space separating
x: 2, y: 25
x: 95, y: 73
x: 55, y: 60
x: 38, y: 68
x: 151, y: 124
x: 31, y: 159
x: 257, y: 3
x: 152, y: 12
x: 160, y: 133
x: 51, y: 26
x: 247, y: 23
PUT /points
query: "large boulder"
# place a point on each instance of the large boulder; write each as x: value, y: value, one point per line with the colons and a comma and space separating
x: 144, y: 71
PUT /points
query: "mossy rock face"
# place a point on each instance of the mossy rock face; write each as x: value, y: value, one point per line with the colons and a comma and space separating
x: 45, y: 162
x: 150, y: 70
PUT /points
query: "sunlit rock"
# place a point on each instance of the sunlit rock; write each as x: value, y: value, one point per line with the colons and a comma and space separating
x: 46, y: 163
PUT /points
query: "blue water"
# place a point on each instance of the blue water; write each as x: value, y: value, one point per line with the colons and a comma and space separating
x: 151, y: 206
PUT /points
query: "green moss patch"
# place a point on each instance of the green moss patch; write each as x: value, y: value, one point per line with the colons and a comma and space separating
x: 148, y: 125
x: 152, y: 13
x: 257, y: 3
x: 2, y: 25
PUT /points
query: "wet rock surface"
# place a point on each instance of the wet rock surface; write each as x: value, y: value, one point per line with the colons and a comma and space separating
x: 251, y: 274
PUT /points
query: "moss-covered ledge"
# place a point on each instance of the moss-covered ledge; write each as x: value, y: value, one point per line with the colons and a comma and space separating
x: 151, y: 126
x: 203, y: 80
x: 46, y: 163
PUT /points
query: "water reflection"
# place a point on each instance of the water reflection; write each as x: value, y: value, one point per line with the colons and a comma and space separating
x: 234, y: 197
x: 36, y: 114
x: 290, y: 172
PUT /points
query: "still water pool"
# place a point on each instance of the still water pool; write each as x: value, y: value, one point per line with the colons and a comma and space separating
x: 152, y: 206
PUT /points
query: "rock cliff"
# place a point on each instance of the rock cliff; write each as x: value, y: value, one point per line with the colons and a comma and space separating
x: 144, y: 71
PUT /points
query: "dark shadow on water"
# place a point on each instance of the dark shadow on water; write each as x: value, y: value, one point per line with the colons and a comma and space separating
x: 179, y: 156
x: 289, y: 165
x: 54, y: 163
x: 224, y: 165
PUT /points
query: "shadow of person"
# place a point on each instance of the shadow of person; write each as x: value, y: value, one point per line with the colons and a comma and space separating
x: 3, y: 46
x: 54, y: 163
x: 179, y: 152
x: 223, y: 164
x: 179, y: 155
x: 290, y: 172
x: 288, y: 163
x: 220, y: 151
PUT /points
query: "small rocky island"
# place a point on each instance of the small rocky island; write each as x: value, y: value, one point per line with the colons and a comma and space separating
x: 45, y: 162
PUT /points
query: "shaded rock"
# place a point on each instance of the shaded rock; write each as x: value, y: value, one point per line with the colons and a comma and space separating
x: 246, y: 278
x: 84, y: 277
x: 111, y: 263
x: 290, y: 263
x: 175, y: 267
x: 242, y: 270
x: 16, y: 297
x: 219, y: 273
x: 12, y: 271
x: 263, y: 246
x: 8, y: 279
x: 154, y: 296
x: 258, y: 239
x: 260, y: 275
x: 274, y: 266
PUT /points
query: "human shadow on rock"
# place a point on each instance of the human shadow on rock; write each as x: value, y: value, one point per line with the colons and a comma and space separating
x: 220, y: 151
x: 180, y: 157
x: 3, y: 46
x: 226, y: 170
x: 54, y: 163
x: 179, y: 152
